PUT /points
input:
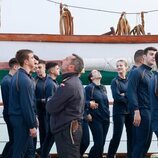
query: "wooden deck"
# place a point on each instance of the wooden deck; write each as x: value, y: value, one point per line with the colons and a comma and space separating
x: 119, y: 155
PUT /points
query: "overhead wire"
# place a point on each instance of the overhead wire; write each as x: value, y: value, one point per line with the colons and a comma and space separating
x: 100, y: 10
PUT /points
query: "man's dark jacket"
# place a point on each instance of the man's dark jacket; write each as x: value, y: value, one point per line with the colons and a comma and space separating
x: 67, y: 104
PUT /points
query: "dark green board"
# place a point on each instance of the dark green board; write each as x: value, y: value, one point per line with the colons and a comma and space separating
x: 106, y: 76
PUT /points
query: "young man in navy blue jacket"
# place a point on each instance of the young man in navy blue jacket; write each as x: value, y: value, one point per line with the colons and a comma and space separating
x: 5, y: 89
x: 40, y: 94
x: 138, y: 58
x: 21, y: 103
x: 50, y: 89
x: 66, y: 108
x: 154, y: 99
x: 139, y: 103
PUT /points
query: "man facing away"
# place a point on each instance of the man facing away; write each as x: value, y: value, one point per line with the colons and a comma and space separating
x: 21, y: 103
x: 139, y: 103
x: 138, y: 57
x: 138, y: 60
x: 66, y: 108
x: 5, y: 89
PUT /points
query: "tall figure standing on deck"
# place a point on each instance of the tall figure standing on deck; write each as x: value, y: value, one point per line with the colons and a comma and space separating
x: 5, y: 89
x: 51, y: 87
x: 40, y: 94
x: 139, y: 103
x: 99, y: 115
x: 138, y: 59
x: 154, y: 99
x: 66, y: 109
x: 121, y: 115
x: 21, y: 103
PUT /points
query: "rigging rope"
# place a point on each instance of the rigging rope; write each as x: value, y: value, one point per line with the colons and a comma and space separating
x: 101, y: 10
x: 66, y: 21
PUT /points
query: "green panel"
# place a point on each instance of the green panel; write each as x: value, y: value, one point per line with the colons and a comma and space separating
x: 3, y: 73
x: 106, y: 76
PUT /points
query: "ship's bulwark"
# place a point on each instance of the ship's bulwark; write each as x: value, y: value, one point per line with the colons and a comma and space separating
x: 99, y: 50
x: 107, y: 76
x: 122, y: 146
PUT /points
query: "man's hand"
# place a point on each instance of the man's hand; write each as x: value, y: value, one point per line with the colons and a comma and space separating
x: 93, y: 104
x: 33, y: 132
x: 89, y: 118
x: 137, y: 118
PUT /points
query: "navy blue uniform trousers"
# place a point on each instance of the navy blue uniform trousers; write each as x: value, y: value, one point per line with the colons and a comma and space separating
x: 7, y: 151
x: 49, y: 139
x: 21, y: 136
x: 142, y: 135
x: 85, y: 138
x: 119, y: 120
x: 99, y: 131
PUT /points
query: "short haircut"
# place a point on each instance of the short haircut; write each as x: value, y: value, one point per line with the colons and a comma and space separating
x: 36, y: 57
x: 78, y: 62
x: 50, y: 65
x: 12, y: 62
x: 90, y: 76
x: 156, y: 59
x: 138, y: 56
x: 41, y: 61
x: 22, y: 55
x: 124, y: 61
x: 148, y: 49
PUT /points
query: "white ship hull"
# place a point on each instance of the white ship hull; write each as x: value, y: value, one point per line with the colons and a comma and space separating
x: 99, y: 52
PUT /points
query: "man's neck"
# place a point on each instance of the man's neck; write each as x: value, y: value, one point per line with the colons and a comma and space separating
x: 12, y: 72
x: 138, y: 64
x: 53, y: 76
x: 97, y: 82
x: 42, y: 75
x: 27, y: 69
x: 122, y: 75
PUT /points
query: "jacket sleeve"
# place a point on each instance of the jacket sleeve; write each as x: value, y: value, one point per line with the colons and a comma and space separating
x: 60, y: 99
x: 50, y: 89
x: 27, y: 103
x: 89, y: 96
x: 132, y: 87
x: 116, y: 92
x: 5, y: 92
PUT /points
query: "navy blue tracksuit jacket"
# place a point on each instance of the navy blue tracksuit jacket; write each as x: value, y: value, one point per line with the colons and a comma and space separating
x: 5, y: 90
x: 121, y: 116
x: 100, y: 117
x: 21, y: 110
x: 50, y: 88
x: 154, y: 102
x: 139, y: 99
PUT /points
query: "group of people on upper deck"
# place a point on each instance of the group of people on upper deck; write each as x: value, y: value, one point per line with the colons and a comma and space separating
x: 63, y: 113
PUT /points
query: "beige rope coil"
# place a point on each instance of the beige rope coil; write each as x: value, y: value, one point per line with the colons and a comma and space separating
x: 66, y: 21
x: 123, y: 27
x: 139, y: 29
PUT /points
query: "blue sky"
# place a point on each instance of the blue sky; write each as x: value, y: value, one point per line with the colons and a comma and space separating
x: 42, y: 16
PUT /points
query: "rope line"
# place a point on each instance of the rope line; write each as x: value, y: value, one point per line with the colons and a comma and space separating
x: 101, y: 10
